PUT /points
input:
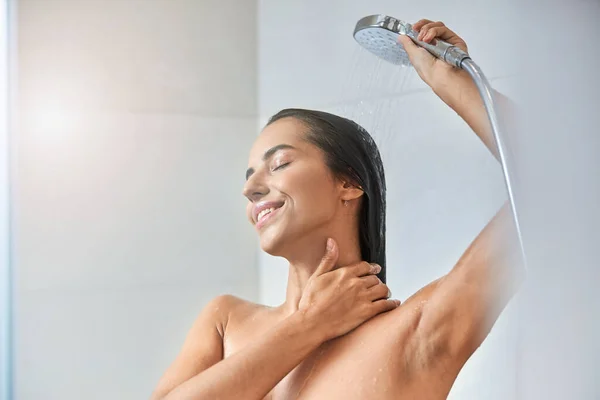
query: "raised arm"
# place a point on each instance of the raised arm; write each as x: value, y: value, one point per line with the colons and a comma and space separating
x: 465, y: 303
x: 454, y: 86
x: 461, y: 307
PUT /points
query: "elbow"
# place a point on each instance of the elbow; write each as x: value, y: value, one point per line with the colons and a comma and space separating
x: 158, y: 396
x: 161, y: 395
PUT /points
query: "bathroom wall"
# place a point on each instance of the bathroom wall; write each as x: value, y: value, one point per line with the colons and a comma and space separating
x: 135, y: 121
x: 443, y: 185
x: 559, y: 346
x: 5, y: 352
x: 135, y: 118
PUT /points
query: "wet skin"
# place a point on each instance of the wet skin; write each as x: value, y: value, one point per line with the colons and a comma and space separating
x: 238, y: 349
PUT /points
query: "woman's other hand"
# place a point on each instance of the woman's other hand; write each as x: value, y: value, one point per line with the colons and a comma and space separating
x: 339, y: 300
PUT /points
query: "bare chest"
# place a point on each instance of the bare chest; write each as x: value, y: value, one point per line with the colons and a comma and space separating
x: 345, y: 369
x: 373, y: 361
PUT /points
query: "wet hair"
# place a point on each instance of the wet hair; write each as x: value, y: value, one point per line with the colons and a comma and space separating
x: 351, y: 153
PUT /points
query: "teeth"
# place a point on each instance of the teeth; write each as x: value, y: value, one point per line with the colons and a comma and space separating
x: 265, y: 212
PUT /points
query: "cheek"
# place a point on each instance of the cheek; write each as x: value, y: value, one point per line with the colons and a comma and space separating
x: 313, y: 192
x: 249, y: 212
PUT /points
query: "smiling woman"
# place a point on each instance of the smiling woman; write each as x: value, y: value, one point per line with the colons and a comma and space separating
x: 316, y: 195
x: 339, y: 151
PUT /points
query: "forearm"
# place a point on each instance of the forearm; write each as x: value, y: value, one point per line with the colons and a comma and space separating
x: 493, y: 265
x: 494, y: 257
x: 458, y: 91
x: 252, y: 372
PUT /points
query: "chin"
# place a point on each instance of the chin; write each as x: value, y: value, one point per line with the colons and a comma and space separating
x: 275, y: 240
x: 272, y: 243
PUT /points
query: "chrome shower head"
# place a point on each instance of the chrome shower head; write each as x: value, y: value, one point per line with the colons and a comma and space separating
x: 379, y: 34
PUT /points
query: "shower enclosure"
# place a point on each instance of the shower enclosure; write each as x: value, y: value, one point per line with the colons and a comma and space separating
x: 5, y: 271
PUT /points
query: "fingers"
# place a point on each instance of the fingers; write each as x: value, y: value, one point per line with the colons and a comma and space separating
x: 360, y: 269
x: 431, y: 29
x: 408, y: 45
x: 329, y: 259
x: 370, y: 280
x: 417, y: 55
x: 419, y: 24
x: 363, y: 269
x: 440, y: 32
x: 378, y: 292
x: 381, y: 306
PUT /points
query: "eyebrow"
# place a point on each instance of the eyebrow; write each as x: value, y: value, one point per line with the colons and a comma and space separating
x: 268, y: 154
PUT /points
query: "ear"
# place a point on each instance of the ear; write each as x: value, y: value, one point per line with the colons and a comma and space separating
x: 350, y: 191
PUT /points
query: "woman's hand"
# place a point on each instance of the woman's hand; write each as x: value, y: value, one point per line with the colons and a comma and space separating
x: 337, y: 301
x: 432, y: 70
x: 451, y: 84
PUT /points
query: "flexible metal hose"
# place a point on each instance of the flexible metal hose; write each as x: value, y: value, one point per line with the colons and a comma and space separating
x: 485, y: 91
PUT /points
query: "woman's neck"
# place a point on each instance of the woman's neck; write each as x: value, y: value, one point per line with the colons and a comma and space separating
x: 307, y: 258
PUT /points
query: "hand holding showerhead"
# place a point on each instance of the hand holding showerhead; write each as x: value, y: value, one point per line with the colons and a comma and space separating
x: 398, y: 42
x: 431, y: 65
x: 379, y: 34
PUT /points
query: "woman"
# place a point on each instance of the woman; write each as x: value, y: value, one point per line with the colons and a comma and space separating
x: 316, y: 192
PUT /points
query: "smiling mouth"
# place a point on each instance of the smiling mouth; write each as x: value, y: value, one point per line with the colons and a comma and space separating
x: 266, y: 215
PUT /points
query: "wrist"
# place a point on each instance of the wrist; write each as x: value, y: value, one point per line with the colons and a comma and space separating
x: 306, y: 326
x: 455, y: 88
x: 458, y: 90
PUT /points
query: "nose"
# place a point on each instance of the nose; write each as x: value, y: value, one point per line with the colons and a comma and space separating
x: 255, y: 189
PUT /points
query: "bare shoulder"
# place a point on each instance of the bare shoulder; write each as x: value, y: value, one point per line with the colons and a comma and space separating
x: 240, y: 321
x: 236, y: 305
x: 204, y: 343
x: 224, y: 304
x: 234, y: 312
x: 226, y: 309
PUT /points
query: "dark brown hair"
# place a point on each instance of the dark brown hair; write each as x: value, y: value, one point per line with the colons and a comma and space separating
x: 351, y: 153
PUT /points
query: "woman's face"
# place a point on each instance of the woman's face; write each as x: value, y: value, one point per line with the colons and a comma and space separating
x: 291, y: 191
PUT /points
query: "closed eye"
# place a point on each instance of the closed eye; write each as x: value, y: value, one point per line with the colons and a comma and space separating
x: 281, y: 166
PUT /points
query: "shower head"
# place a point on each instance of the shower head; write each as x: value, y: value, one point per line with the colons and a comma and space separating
x: 379, y: 34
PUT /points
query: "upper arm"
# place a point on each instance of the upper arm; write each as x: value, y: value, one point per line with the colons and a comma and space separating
x: 463, y: 306
x: 202, y: 348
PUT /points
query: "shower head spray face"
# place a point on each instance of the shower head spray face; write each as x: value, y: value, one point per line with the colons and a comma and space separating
x: 379, y: 34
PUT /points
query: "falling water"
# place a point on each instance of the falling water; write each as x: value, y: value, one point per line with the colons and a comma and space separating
x: 370, y: 94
